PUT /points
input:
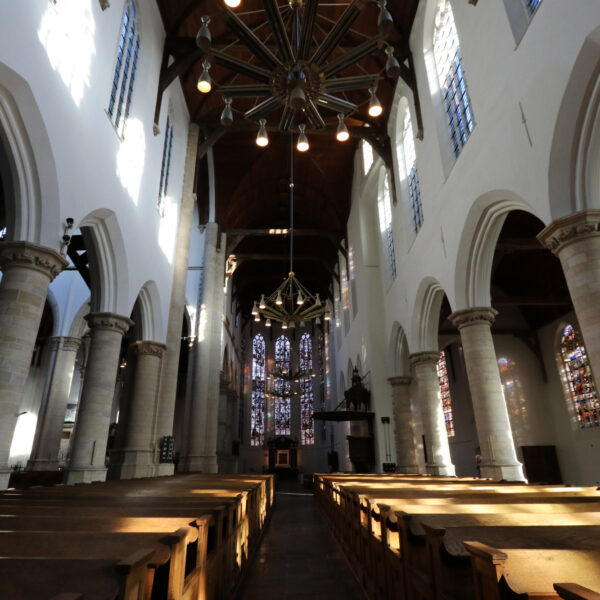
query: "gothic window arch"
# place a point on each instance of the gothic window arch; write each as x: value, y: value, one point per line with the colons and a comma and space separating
x: 307, y: 431
x: 128, y: 50
x: 257, y: 409
x: 442, y: 372
x: 520, y: 13
x: 165, y: 165
x: 409, y: 164
x: 451, y: 76
x: 367, y: 156
x: 384, y: 206
x: 578, y: 380
x: 282, y: 386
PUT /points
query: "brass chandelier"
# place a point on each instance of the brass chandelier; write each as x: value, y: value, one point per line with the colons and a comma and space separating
x: 291, y: 303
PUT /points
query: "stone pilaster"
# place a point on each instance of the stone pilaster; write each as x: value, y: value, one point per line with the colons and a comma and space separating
x: 44, y: 454
x: 575, y: 240
x: 27, y: 271
x: 499, y: 459
x: 88, y: 450
x: 203, y: 426
x: 434, y: 426
x: 170, y: 363
x: 404, y: 435
x: 137, y: 455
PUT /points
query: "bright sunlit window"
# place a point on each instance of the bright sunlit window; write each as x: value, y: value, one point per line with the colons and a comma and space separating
x: 411, y: 173
x: 165, y: 167
x: 125, y: 68
x: 367, y: 156
x: 385, y: 224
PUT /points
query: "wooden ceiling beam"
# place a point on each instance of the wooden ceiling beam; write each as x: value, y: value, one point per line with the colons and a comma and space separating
x: 532, y: 301
x: 514, y: 244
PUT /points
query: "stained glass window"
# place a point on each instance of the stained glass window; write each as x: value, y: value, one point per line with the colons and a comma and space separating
x: 531, y: 5
x: 2, y: 233
x: 125, y: 68
x: 453, y: 85
x: 412, y: 175
x: 578, y: 378
x: 385, y: 224
x: 257, y: 409
x: 306, y: 391
x: 442, y: 372
x: 282, y: 387
x: 165, y: 167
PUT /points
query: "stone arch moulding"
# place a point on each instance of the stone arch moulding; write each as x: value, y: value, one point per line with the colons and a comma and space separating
x: 398, y: 352
x: 476, y: 249
x: 573, y: 172
x: 426, y: 313
x: 109, y: 274
x: 79, y: 325
x: 152, y: 326
x: 27, y: 165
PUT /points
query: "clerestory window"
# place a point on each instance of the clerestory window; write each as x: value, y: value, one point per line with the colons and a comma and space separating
x: 411, y: 173
x: 165, y: 167
x: 257, y: 408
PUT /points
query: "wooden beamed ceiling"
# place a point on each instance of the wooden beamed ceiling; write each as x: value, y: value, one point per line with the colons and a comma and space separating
x: 252, y: 184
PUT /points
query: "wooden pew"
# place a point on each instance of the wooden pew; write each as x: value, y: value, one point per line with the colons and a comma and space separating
x: 572, y: 591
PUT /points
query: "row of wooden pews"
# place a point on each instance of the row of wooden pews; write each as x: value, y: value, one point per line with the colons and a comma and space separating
x: 177, y: 538
x: 418, y: 537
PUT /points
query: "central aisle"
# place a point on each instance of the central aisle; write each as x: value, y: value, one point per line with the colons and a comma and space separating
x: 297, y: 559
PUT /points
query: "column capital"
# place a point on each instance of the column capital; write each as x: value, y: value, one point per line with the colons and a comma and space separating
x: 473, y: 316
x: 423, y: 357
x: 31, y: 256
x: 108, y: 322
x: 400, y: 380
x: 149, y: 348
x: 569, y: 229
x: 69, y: 344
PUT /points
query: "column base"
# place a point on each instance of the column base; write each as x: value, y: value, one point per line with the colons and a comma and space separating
x: 42, y: 465
x: 164, y: 469
x: 407, y: 469
x: 133, y: 464
x: 86, y: 475
x: 4, y: 479
x: 443, y: 470
x: 202, y: 464
x: 503, y: 472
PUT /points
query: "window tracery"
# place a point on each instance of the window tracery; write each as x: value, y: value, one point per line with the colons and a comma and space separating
x: 532, y: 5
x: 282, y: 387
x: 442, y: 373
x: 453, y: 85
x: 257, y: 409
x: 125, y: 69
x: 412, y: 175
x: 385, y: 223
x: 578, y: 379
x: 165, y: 167
x: 307, y: 430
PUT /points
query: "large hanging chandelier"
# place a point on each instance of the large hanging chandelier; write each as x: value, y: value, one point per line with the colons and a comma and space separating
x: 291, y: 303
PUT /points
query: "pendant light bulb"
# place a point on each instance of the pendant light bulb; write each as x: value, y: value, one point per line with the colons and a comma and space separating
x: 268, y: 322
x: 233, y: 3
x: 342, y: 134
x: 292, y: 325
x: 278, y: 300
x: 297, y: 98
x: 317, y: 300
x: 300, y: 300
x: 262, y: 139
x: 254, y: 309
x: 257, y: 318
x: 375, y: 108
x: 204, y: 84
x: 284, y: 325
x: 227, y: 114
x: 203, y: 37
x: 302, y: 144
x: 392, y: 66
x: 262, y: 304
x: 385, y: 22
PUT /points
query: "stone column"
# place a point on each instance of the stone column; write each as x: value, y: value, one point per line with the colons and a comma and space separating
x: 203, y: 426
x: 499, y: 459
x: 27, y: 271
x: 404, y: 435
x: 138, y: 451
x: 434, y: 426
x: 170, y: 363
x: 575, y: 240
x: 44, y: 454
x: 88, y: 450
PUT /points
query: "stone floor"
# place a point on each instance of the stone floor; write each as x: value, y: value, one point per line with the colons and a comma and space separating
x: 298, y: 559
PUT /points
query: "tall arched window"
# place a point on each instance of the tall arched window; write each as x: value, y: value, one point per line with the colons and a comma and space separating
x: 385, y: 224
x: 306, y: 391
x: 442, y: 372
x: 257, y: 409
x: 410, y: 170
x: 578, y: 379
x: 125, y: 67
x: 451, y: 77
x: 531, y: 5
x: 165, y: 166
x: 282, y: 387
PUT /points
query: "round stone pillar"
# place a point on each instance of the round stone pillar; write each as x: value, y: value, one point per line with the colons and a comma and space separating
x: 44, y: 454
x: 88, y: 450
x: 434, y: 426
x: 138, y: 453
x: 404, y: 435
x: 499, y: 459
x: 575, y: 240
x: 27, y: 270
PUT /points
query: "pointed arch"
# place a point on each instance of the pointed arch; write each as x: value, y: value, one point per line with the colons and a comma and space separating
x: 152, y: 326
x: 426, y: 313
x: 398, y: 352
